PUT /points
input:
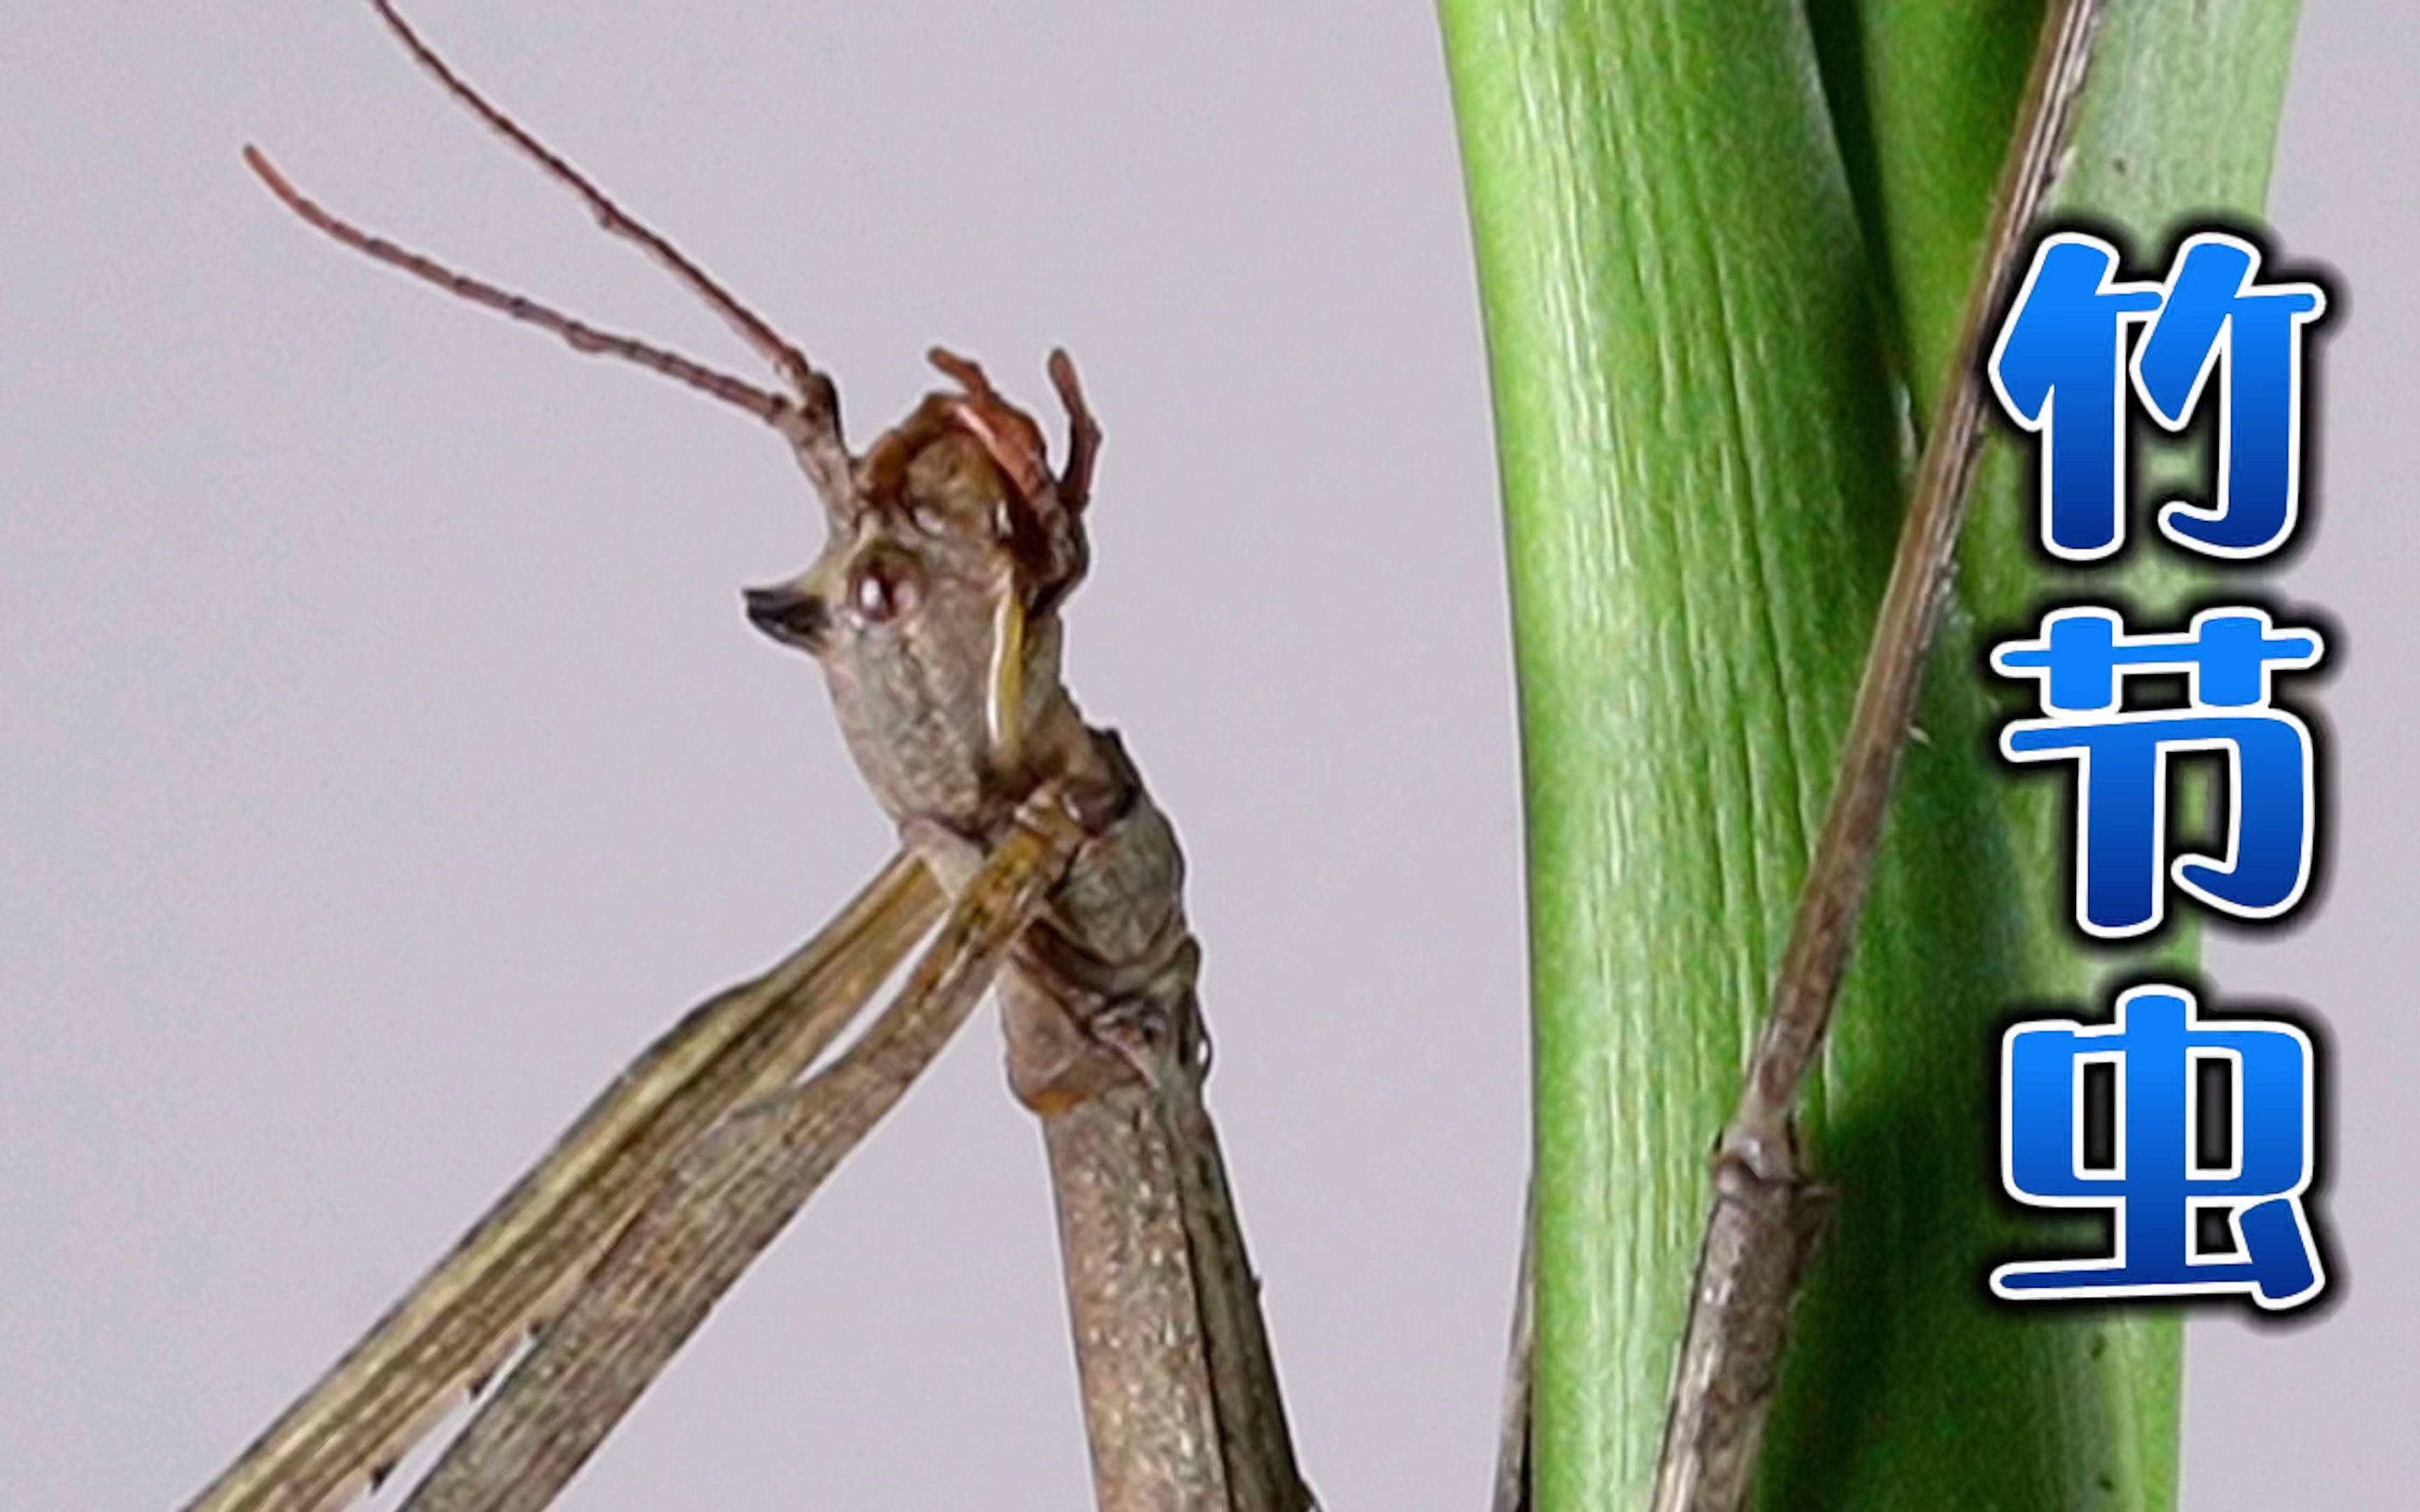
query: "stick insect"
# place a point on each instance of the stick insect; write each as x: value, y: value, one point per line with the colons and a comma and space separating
x: 1032, y: 855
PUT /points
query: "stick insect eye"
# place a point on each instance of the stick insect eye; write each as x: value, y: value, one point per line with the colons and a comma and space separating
x: 885, y: 585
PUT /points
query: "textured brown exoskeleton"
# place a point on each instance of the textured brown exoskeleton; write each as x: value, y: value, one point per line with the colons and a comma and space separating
x: 1027, y: 834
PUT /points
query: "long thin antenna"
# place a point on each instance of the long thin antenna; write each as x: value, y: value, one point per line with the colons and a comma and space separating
x: 768, y: 343
x: 775, y: 410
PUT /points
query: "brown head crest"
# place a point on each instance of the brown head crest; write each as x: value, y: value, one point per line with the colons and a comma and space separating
x: 1044, y: 519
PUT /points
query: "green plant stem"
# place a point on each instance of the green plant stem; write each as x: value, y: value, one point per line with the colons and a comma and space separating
x: 1702, y: 382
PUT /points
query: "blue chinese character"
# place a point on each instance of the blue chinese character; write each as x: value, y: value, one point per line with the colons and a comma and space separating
x: 2216, y: 314
x: 2059, y: 370
x: 2122, y: 808
x: 2156, y: 1187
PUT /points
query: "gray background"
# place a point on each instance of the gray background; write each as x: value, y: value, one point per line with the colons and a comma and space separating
x: 383, y: 756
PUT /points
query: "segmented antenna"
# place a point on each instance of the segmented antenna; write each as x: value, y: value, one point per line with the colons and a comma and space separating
x: 764, y: 404
x: 767, y: 342
x: 809, y: 417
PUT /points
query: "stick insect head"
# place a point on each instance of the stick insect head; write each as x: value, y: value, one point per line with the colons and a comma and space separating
x: 949, y: 542
x: 932, y: 607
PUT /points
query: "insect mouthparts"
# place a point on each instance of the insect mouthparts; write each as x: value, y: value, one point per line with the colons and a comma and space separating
x: 793, y: 615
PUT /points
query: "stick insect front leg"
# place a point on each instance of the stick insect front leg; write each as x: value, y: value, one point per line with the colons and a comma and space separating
x: 513, y: 1270
x: 727, y: 1198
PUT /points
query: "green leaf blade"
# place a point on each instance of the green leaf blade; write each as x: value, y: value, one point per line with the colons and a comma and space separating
x: 1700, y: 376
